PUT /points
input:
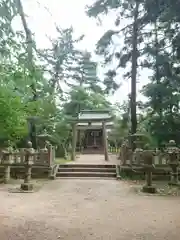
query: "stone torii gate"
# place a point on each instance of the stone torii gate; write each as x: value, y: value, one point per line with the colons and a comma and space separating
x: 94, y: 125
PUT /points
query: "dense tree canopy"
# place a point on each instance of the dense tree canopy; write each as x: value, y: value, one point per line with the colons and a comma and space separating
x: 50, y: 84
x: 39, y: 87
x: 151, y: 40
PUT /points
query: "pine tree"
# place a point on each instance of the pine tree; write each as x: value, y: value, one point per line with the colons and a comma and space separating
x: 83, y: 72
x: 130, y: 52
x: 162, y: 50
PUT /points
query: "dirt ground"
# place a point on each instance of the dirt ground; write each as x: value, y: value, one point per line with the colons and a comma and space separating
x: 87, y: 210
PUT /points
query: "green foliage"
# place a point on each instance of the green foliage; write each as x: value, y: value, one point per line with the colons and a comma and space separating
x: 80, y: 99
x: 102, y: 7
x: 33, y: 81
x: 151, y: 40
x: 26, y: 90
x: 83, y: 72
x: 13, y: 124
x: 162, y: 91
x: 114, y: 52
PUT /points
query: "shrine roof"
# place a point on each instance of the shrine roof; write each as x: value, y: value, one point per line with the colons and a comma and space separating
x: 94, y: 115
x: 94, y: 125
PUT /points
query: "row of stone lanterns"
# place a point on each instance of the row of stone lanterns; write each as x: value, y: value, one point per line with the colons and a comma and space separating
x: 146, y: 158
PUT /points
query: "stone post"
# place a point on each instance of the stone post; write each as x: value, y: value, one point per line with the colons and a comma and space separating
x: 148, y: 166
x: 27, y: 185
x: 74, y: 139
x: 105, y: 141
x: 48, y: 148
x: 123, y: 154
x: 7, y: 161
x: 138, y: 152
x: 47, y: 156
x: 139, y: 148
x: 173, y: 154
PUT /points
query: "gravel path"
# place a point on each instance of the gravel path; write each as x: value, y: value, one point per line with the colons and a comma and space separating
x: 87, y: 210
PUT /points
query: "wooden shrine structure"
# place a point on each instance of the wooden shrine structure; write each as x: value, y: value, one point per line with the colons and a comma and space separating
x: 90, y: 132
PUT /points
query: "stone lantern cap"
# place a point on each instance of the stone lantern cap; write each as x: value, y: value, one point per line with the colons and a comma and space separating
x: 172, y: 147
x: 173, y: 152
x: 172, y: 143
x: 30, y: 153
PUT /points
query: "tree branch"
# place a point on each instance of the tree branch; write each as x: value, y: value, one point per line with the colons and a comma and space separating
x: 29, y: 42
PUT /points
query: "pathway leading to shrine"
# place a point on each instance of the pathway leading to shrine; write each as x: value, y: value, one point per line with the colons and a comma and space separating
x: 87, y: 210
x: 93, y: 166
x: 95, y: 159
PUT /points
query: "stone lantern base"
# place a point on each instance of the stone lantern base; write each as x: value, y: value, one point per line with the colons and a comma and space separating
x: 149, y: 189
x: 26, y: 187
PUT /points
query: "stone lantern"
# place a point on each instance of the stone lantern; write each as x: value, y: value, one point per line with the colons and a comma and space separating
x: 139, y: 142
x: 173, y: 154
x: 27, y: 185
x: 7, y: 162
x: 123, y: 154
x: 148, y: 167
x: 43, y: 138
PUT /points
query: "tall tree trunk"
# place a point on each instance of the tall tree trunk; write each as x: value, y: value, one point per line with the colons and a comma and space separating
x: 134, y: 70
x: 29, y: 42
x: 158, y: 97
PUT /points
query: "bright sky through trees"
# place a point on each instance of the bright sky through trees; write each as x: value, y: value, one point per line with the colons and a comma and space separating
x: 43, y: 14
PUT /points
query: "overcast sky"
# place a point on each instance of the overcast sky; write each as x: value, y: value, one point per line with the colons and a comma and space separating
x: 65, y: 14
